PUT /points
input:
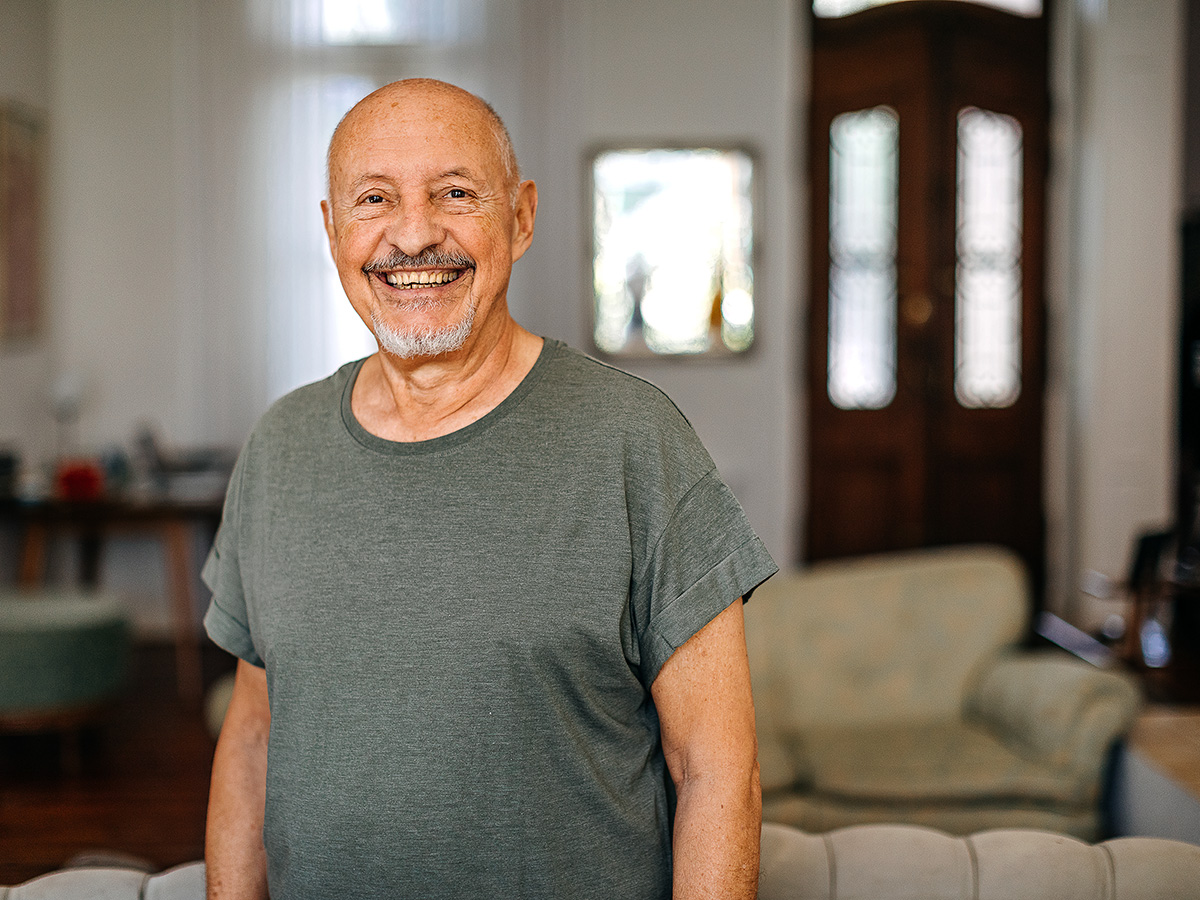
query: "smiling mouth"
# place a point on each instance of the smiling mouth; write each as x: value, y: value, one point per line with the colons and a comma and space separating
x: 406, y: 279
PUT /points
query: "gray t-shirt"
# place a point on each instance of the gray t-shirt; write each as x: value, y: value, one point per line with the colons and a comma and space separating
x: 460, y: 634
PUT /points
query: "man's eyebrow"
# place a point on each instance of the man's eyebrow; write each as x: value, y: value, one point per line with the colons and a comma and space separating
x: 370, y: 177
x: 366, y: 179
x: 461, y: 173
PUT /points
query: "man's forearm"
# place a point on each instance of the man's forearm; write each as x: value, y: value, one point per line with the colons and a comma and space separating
x: 234, y: 854
x: 706, y: 711
x: 718, y: 830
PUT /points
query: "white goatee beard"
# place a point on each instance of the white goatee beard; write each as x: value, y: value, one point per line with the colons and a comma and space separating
x: 413, y: 342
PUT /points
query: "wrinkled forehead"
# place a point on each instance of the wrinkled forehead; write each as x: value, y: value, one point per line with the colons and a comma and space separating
x: 415, y: 131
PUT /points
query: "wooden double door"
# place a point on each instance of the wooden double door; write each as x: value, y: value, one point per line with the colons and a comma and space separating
x: 919, y: 460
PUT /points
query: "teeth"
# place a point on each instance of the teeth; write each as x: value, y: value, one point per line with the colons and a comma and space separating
x: 404, y: 279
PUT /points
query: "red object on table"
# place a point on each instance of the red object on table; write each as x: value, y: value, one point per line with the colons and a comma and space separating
x: 79, y: 480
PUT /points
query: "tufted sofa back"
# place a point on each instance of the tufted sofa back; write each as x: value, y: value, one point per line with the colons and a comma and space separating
x: 865, y: 862
x: 905, y: 862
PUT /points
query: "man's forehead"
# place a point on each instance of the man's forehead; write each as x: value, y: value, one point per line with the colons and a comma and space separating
x: 434, y: 134
x: 414, y: 160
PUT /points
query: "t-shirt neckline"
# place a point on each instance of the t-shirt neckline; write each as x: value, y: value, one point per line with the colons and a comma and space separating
x: 406, y: 448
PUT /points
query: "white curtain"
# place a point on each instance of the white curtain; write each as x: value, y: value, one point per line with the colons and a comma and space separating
x: 273, y: 78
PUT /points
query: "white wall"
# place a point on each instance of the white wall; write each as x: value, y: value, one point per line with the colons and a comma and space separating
x: 1191, y: 109
x: 114, y: 200
x: 1115, y: 285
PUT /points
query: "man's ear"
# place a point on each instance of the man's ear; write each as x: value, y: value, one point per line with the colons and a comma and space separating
x: 524, y: 214
x: 329, y: 229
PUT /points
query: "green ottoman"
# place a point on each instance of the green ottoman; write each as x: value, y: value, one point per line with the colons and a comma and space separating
x: 63, y: 658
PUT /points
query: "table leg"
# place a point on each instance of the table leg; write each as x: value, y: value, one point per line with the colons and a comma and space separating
x: 91, y: 543
x: 33, y: 555
x: 179, y: 569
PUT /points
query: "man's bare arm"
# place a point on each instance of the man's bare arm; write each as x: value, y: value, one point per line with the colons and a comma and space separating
x: 707, y: 715
x: 236, y: 860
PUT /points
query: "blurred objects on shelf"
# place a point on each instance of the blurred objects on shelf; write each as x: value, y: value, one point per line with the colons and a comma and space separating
x: 184, y: 475
x: 1162, y: 636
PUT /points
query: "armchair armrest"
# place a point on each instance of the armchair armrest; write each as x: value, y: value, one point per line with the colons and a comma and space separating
x: 1055, y: 709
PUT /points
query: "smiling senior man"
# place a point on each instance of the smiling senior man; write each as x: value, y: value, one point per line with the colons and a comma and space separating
x: 484, y: 590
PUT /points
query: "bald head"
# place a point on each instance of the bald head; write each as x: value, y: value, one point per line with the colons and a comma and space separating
x: 448, y: 99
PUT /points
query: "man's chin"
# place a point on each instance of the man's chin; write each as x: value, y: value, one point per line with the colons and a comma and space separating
x: 422, y: 342
x: 418, y: 302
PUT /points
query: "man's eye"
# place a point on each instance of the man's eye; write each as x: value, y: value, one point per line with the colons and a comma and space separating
x: 456, y: 194
x: 374, y: 198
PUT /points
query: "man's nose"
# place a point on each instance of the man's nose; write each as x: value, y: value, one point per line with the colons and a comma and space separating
x: 414, y: 226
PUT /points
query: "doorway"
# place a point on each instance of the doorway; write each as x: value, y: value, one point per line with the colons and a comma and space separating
x: 926, y: 348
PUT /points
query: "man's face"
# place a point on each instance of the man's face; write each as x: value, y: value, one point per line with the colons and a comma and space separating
x: 420, y: 217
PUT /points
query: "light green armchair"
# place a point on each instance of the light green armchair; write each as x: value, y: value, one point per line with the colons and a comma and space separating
x: 892, y: 689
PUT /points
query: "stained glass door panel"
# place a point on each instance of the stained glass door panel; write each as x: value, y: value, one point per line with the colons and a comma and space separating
x: 862, y: 258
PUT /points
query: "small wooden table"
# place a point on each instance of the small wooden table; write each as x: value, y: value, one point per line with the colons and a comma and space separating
x: 94, y: 521
x: 1178, y: 681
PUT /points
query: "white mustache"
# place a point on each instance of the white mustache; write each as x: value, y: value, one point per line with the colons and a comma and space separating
x: 430, y: 258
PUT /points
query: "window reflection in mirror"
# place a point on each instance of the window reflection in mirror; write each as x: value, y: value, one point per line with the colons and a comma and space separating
x: 672, y: 251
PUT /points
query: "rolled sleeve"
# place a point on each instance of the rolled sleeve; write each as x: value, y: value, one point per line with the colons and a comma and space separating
x: 226, y: 620
x: 226, y: 630
x: 707, y: 557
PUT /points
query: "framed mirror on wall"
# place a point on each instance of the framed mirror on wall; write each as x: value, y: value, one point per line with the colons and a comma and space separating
x: 672, y: 251
x: 21, y: 154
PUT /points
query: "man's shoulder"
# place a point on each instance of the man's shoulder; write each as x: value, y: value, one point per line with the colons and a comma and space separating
x: 303, y: 408
x: 606, y: 386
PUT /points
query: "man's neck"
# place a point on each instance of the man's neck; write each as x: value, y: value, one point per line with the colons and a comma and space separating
x: 420, y: 399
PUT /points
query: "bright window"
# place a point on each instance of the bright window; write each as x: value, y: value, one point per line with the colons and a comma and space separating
x: 311, y: 327
x: 863, y: 201
x: 832, y: 9
x: 400, y: 22
x: 987, y: 348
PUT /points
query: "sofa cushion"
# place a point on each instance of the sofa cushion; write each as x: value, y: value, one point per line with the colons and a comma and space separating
x: 926, y: 762
x: 889, y: 638
x: 817, y: 812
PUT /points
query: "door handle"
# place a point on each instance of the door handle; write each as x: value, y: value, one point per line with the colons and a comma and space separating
x: 916, y: 309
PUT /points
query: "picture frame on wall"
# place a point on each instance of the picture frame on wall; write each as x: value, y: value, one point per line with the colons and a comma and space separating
x: 672, y: 250
x: 22, y: 156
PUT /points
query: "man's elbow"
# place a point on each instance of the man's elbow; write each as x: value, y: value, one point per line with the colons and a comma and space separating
x: 733, y: 775
x: 754, y: 792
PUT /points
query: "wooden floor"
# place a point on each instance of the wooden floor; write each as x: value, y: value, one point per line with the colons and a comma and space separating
x: 140, y: 785
x: 1169, y: 738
